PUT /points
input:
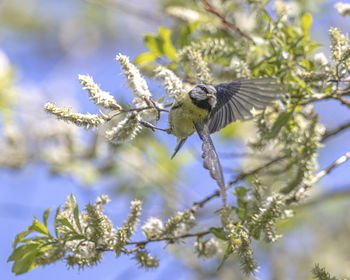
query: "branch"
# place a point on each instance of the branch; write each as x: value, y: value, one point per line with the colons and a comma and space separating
x: 318, y: 176
x: 171, y: 239
x: 108, y: 118
x: 201, y: 203
x: 335, y: 131
x: 224, y: 21
x: 244, y: 154
x: 327, y: 196
x: 327, y: 170
x: 243, y: 175
x: 343, y: 101
x: 336, y: 96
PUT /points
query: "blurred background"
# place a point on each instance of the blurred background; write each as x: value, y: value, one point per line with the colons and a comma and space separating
x: 44, y: 45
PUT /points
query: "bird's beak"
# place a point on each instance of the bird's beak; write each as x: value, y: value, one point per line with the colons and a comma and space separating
x: 210, y: 95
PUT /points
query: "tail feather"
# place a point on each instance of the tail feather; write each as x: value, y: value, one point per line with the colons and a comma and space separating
x: 178, y: 146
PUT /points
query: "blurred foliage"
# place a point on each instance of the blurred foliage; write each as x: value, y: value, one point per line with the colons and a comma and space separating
x: 7, y: 89
x: 281, y: 157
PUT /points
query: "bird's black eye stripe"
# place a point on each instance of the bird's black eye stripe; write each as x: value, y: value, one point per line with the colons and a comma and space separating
x: 203, y: 88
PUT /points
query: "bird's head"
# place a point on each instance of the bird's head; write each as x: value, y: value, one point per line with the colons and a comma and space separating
x: 203, y: 96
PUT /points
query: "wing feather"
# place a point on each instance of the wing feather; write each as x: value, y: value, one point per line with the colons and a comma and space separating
x: 251, y: 102
x: 242, y: 108
x: 259, y: 99
x: 235, y: 100
x: 210, y: 157
x: 178, y: 146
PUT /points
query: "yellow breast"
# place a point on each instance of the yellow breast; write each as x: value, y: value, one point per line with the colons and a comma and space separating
x: 183, y: 115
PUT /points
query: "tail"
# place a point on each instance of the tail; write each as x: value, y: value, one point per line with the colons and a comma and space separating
x: 178, y: 146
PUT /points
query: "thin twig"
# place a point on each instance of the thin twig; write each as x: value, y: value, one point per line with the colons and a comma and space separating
x: 243, y: 175
x: 327, y: 196
x: 343, y: 101
x: 234, y: 155
x: 224, y: 21
x: 143, y: 243
x: 171, y: 239
x: 335, y: 131
x: 327, y: 170
x: 331, y: 96
x: 108, y: 118
x: 278, y: 171
x: 201, y: 203
x: 318, y: 176
x: 247, y: 154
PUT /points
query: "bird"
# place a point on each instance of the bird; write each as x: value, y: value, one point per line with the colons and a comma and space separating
x: 207, y: 109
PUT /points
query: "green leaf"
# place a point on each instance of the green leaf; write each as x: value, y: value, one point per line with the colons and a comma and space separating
x: 306, y: 21
x: 21, y: 251
x: 186, y: 31
x: 307, y: 64
x: 58, y: 210
x: 329, y: 88
x: 74, y: 236
x: 241, y: 192
x: 266, y: 15
x: 228, y: 252
x: 241, y: 211
x: 160, y: 100
x: 219, y: 233
x: 312, y: 46
x: 158, y: 46
x: 39, y: 227
x: 23, y: 257
x: 167, y: 47
x: 279, y: 123
x: 76, y: 216
x: 20, y: 236
x: 146, y: 57
x: 64, y: 221
x: 46, y: 216
x: 291, y: 47
x: 154, y: 44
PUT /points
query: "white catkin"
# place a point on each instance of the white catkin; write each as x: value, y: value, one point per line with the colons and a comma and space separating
x: 183, y: 13
x: 86, y: 120
x: 320, y: 59
x: 135, y: 81
x: 125, y: 131
x: 172, y: 84
x: 339, y: 44
x: 152, y: 227
x: 343, y: 8
x: 98, y: 96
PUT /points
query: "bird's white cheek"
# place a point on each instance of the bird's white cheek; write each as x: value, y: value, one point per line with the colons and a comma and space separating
x: 212, y: 102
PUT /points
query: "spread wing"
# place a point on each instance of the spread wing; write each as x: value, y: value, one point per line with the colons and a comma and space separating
x: 211, y: 159
x: 236, y: 99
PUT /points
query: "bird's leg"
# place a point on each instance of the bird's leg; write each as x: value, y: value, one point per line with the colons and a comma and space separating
x: 150, y: 102
x: 151, y: 126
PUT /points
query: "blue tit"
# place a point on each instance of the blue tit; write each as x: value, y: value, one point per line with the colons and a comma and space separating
x: 207, y: 109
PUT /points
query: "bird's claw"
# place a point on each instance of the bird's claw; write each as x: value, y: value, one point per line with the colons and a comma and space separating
x: 153, y: 127
x: 150, y: 102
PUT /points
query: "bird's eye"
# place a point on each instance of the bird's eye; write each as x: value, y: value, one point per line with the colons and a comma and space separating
x: 203, y: 88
